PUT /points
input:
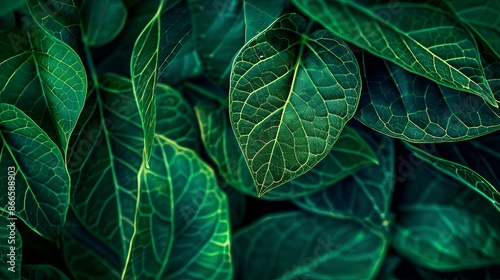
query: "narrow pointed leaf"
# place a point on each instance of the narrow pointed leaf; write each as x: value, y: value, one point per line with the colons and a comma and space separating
x: 297, y: 245
x: 46, y: 79
x: 190, y: 241
x: 434, y: 44
x: 462, y: 173
x: 41, y: 178
x: 143, y: 68
x: 292, y: 92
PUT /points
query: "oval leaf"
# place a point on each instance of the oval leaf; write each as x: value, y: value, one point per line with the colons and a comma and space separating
x: 292, y: 92
x: 41, y: 180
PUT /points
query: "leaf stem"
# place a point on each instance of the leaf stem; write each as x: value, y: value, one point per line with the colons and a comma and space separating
x: 90, y: 62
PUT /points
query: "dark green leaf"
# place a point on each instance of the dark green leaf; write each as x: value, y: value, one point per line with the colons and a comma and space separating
x: 349, y: 154
x: 462, y: 173
x: 433, y: 43
x: 41, y: 179
x: 292, y: 92
x: 190, y: 242
x: 103, y: 20
x: 444, y: 225
x: 298, y: 245
x: 46, y: 79
x: 364, y: 196
x: 259, y: 14
x: 42, y: 271
x: 60, y: 18
x: 10, y: 5
x: 11, y: 247
x: 406, y: 106
x: 219, y: 33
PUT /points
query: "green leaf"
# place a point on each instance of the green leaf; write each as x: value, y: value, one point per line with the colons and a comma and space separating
x: 11, y: 248
x: 42, y: 271
x: 10, y: 5
x: 444, y: 225
x: 103, y: 20
x: 462, y: 173
x: 44, y: 78
x: 482, y: 17
x: 365, y: 196
x: 297, y: 245
x: 190, y: 241
x: 41, y: 178
x: 106, y: 155
x: 185, y: 65
x: 415, y: 109
x: 432, y: 44
x: 292, y: 92
x: 259, y: 14
x: 143, y: 68
x: 218, y: 28
x: 176, y: 119
x: 349, y: 154
x: 86, y: 256
x: 60, y: 19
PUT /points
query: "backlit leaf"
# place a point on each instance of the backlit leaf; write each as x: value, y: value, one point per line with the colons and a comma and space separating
x: 292, y: 92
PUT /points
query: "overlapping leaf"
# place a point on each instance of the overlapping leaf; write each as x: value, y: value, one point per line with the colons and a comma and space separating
x: 41, y: 180
x: 433, y: 43
x: 364, y: 196
x: 298, y: 245
x: 349, y: 154
x: 259, y: 14
x: 219, y: 33
x: 44, y: 78
x: 406, y: 106
x: 292, y: 92
x: 464, y: 174
x: 444, y: 225
x: 190, y: 241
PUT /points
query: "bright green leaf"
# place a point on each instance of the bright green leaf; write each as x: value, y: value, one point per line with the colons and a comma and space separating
x: 143, y: 68
x: 46, y: 79
x: 364, y: 196
x: 292, y: 92
x: 41, y: 179
x: 297, y: 245
x: 432, y: 44
x: 190, y: 241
